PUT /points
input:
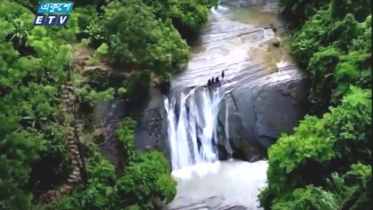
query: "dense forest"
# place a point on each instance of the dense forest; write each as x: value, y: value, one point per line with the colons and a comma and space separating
x: 326, y: 163
x: 49, y: 140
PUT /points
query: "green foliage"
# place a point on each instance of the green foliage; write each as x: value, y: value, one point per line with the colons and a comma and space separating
x: 100, y: 193
x: 145, y: 180
x: 53, y: 56
x: 311, y: 37
x: 146, y: 177
x: 85, y: 16
x: 300, y: 10
x: 32, y: 66
x: 357, y: 194
x: 101, y: 51
x: 353, y: 68
x: 89, y: 24
x: 126, y: 135
x: 363, y: 42
x: 17, y: 152
x: 319, y: 148
x: 84, y: 3
x: 138, y: 41
x: 324, y: 165
x: 67, y: 33
x: 321, y: 68
x: 309, y: 198
x: 187, y: 16
x: 336, y: 52
x: 342, y: 32
x: 92, y: 96
x: 98, y: 54
x: 35, y: 61
x: 19, y: 20
x: 359, y: 8
x: 352, y: 190
x: 138, y: 86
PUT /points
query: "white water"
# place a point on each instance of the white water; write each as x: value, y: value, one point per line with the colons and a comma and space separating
x: 192, y: 133
x: 203, y: 181
x: 237, y: 44
x: 229, y: 183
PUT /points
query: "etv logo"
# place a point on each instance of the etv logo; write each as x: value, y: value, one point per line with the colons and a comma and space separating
x: 53, y: 8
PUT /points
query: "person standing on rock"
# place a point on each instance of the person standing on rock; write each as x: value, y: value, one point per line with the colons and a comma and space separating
x: 217, y: 82
x: 209, y: 83
x: 222, y: 77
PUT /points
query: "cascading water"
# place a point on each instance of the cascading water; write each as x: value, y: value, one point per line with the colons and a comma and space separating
x: 192, y: 125
x: 192, y: 117
x: 235, y: 42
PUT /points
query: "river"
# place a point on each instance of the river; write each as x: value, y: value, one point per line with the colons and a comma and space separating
x: 239, y: 41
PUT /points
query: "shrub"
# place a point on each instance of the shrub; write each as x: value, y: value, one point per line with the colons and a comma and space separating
x: 126, y: 135
x: 146, y: 175
x: 187, y: 16
x: 319, y: 148
x: 138, y: 41
x: 311, y: 37
x: 321, y: 69
x: 300, y: 10
x: 336, y: 54
x: 145, y: 180
x: 100, y: 192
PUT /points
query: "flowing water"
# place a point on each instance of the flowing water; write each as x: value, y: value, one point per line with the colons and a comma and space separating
x: 235, y: 40
x: 192, y: 132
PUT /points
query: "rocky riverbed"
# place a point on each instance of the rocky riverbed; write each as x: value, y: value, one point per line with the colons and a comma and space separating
x: 264, y: 97
x: 265, y: 90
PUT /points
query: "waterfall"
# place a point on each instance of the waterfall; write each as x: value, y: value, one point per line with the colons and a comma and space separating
x: 192, y: 117
x: 202, y: 122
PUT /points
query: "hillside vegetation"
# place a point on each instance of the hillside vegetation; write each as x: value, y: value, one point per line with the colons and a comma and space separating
x: 43, y: 138
x: 326, y: 163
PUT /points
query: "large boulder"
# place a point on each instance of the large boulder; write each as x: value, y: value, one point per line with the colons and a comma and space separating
x: 251, y: 117
x: 271, y: 109
x: 266, y: 96
x: 151, y: 129
x: 108, y: 115
x: 234, y: 140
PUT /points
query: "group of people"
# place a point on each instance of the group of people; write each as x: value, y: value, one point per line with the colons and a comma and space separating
x: 215, y: 82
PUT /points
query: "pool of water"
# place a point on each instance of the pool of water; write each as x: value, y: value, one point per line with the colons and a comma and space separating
x: 220, y: 184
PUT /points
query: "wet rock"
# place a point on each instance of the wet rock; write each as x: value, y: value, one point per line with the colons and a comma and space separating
x: 241, y: 3
x: 239, y: 144
x: 259, y: 111
x: 210, y: 203
x: 237, y: 207
x: 223, y: 153
x: 107, y: 116
x: 275, y: 42
x: 151, y: 127
x: 269, y: 110
x: 272, y: 26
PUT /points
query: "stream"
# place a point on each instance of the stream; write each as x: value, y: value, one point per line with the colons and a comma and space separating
x: 238, y: 41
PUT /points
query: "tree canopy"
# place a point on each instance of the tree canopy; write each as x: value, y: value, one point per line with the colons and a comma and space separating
x: 326, y: 163
x: 132, y: 40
